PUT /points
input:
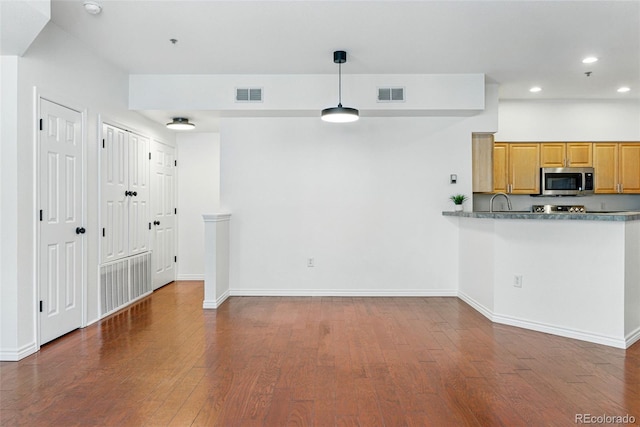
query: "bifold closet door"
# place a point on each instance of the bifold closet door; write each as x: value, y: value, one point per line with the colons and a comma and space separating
x: 114, y: 183
x: 138, y: 194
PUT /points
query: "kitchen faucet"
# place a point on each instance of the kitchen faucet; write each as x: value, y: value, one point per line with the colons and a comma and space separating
x: 496, y: 195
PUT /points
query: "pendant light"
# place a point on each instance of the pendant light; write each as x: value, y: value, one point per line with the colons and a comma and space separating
x: 340, y: 114
x: 180, y: 123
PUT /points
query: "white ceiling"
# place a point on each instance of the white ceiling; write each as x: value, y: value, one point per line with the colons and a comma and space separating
x: 516, y: 43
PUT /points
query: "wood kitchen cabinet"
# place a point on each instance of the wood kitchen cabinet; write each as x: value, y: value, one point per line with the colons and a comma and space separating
x: 617, y: 167
x: 516, y: 168
x: 566, y: 154
x: 482, y: 166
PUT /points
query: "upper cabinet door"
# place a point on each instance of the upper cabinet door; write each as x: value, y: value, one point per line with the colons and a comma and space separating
x: 629, y: 171
x: 524, y: 168
x: 605, y: 163
x: 553, y: 154
x: 579, y: 154
x: 500, y: 170
x: 482, y: 165
x: 569, y: 154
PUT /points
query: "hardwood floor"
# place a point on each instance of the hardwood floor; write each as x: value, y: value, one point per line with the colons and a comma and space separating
x: 324, y: 361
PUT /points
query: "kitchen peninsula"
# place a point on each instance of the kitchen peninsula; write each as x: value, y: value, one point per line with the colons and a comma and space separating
x: 573, y: 275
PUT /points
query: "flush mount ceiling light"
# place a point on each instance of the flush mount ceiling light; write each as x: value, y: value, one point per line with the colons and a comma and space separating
x: 624, y: 89
x: 180, y: 123
x: 535, y: 89
x: 92, y: 7
x: 589, y: 60
x: 340, y: 114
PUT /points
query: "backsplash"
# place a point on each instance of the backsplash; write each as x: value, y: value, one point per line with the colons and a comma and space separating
x: 597, y: 202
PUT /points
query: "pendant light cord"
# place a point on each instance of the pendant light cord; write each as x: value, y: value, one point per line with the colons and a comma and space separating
x: 340, y: 84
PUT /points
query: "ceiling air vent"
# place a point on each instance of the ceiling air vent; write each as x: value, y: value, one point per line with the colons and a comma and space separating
x: 249, y: 94
x: 390, y: 94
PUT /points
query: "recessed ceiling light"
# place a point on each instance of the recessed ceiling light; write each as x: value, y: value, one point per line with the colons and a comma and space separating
x: 535, y: 89
x: 624, y: 89
x: 589, y: 60
x: 92, y: 7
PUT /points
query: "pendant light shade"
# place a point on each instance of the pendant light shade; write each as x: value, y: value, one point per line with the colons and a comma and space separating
x: 340, y: 114
x: 180, y: 123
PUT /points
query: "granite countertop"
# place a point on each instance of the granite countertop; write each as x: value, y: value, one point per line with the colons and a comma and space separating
x: 591, y: 216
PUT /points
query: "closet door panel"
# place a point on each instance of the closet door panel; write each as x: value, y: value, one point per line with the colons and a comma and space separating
x: 139, y: 190
x: 114, y: 166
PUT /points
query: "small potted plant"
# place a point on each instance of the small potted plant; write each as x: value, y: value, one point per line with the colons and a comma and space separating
x: 458, y: 200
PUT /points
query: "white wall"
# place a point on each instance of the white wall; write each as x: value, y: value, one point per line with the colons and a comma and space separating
x: 63, y: 70
x: 198, y: 194
x: 363, y: 199
x: 579, y: 278
x: 570, y: 120
x: 8, y: 201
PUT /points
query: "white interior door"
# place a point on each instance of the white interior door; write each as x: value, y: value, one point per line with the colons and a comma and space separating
x: 138, y: 194
x: 114, y: 169
x: 61, y: 232
x: 163, y: 164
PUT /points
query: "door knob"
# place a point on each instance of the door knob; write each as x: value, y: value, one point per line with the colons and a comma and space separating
x: 80, y: 230
x: 127, y: 193
x: 156, y: 222
x: 133, y: 193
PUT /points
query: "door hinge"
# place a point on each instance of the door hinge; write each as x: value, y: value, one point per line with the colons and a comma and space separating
x: 175, y: 259
x: 149, y: 156
x: 175, y: 211
x: 102, y: 142
x: 103, y: 232
x: 149, y: 226
x: 175, y: 163
x: 40, y: 124
x: 40, y: 214
x: 40, y: 306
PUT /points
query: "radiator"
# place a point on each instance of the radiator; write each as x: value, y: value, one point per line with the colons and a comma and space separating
x: 124, y: 281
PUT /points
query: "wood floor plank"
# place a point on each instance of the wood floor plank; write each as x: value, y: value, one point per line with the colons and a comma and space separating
x: 324, y: 361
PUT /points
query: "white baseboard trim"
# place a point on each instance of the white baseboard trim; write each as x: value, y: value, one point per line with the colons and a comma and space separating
x: 214, y: 304
x: 13, y: 355
x: 551, y: 329
x: 190, y: 277
x: 476, y: 305
x: 560, y: 331
x: 339, y: 293
x: 632, y: 338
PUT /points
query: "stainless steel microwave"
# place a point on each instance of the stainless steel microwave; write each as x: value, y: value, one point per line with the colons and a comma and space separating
x: 566, y: 181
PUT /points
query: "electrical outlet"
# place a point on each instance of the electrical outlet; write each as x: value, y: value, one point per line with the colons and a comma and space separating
x: 311, y: 262
x: 517, y: 281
